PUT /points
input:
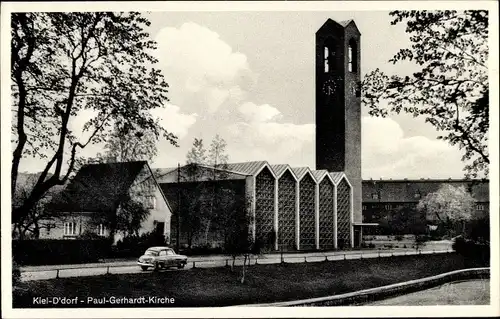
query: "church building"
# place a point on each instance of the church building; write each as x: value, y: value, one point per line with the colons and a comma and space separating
x: 299, y: 208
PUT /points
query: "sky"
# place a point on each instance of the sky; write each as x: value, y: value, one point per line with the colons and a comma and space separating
x: 249, y: 77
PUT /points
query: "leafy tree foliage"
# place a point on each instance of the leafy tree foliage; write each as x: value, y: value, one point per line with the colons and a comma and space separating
x: 217, y: 156
x: 196, y: 154
x: 130, y: 143
x: 403, y: 220
x: 130, y: 216
x: 38, y: 217
x: 449, y: 204
x: 450, y: 90
x: 65, y: 63
x: 239, y: 239
x: 207, y: 204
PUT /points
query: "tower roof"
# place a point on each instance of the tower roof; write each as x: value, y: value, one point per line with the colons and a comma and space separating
x: 331, y: 24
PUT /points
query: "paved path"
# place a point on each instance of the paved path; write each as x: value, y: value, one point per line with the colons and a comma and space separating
x: 126, y: 267
x: 470, y: 292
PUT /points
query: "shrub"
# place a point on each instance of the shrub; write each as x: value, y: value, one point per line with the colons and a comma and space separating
x: 58, y: 251
x: 471, y: 249
x: 133, y: 246
x: 16, y: 274
x: 201, y: 250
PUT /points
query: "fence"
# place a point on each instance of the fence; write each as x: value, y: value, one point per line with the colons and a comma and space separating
x: 222, y: 261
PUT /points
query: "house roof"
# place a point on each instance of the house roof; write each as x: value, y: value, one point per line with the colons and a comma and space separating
x: 97, y: 187
x: 196, y: 172
x: 318, y: 174
x: 300, y: 171
x: 247, y: 168
x: 279, y: 169
x: 413, y: 190
x: 24, y: 186
x: 336, y: 176
x: 160, y: 172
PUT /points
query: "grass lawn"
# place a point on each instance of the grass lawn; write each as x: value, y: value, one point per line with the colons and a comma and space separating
x: 265, y: 283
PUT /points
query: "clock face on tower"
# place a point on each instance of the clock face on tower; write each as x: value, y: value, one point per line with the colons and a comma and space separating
x: 331, y: 86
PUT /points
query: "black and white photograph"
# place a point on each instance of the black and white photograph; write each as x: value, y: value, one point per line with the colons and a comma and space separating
x: 330, y: 158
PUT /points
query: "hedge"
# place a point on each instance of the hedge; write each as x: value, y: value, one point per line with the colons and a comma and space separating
x: 472, y: 250
x: 59, y: 251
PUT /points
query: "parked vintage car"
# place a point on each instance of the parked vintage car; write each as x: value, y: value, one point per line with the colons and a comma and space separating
x: 161, y: 257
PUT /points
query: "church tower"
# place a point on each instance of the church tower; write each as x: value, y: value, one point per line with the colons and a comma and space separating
x: 338, y: 104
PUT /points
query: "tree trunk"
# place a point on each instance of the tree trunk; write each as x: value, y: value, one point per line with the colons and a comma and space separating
x: 244, y: 269
x: 36, y: 230
x: 207, y: 230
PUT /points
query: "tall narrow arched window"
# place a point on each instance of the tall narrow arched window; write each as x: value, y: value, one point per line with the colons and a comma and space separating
x: 352, y: 52
x: 325, y: 59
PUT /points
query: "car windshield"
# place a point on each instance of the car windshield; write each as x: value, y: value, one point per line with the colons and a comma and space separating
x: 150, y: 252
x: 170, y: 252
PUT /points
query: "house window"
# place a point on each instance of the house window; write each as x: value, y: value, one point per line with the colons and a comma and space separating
x: 388, y: 207
x: 70, y: 228
x: 374, y: 196
x: 150, y: 202
x: 364, y: 207
x: 101, y: 230
x: 480, y: 207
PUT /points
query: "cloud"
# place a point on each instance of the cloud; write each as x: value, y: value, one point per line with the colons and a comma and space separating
x: 387, y: 153
x: 173, y: 120
x: 260, y: 136
x: 258, y: 113
x: 200, y: 66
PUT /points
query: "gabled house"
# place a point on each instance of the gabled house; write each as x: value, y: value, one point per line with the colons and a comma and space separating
x: 99, y: 191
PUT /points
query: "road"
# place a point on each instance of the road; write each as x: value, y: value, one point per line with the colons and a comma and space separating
x: 130, y: 267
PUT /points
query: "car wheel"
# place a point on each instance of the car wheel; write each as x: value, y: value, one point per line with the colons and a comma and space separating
x: 144, y: 268
x: 157, y: 267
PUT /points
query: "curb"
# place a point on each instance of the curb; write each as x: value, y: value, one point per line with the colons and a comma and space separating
x: 383, y: 292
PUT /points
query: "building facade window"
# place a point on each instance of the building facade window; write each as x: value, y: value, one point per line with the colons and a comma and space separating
x: 70, y: 228
x: 374, y: 196
x: 325, y: 57
x: 101, y: 230
x: 388, y: 207
x: 352, y: 52
x: 364, y: 207
x: 479, y: 207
